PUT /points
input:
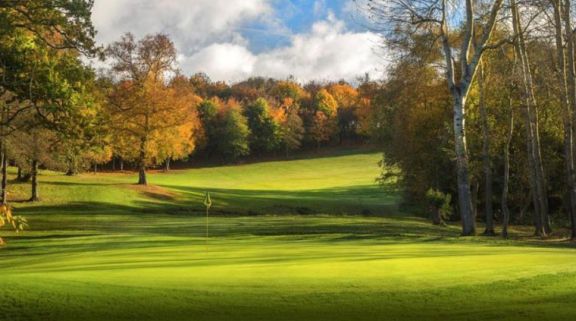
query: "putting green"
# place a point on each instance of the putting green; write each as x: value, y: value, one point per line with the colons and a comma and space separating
x: 100, y: 249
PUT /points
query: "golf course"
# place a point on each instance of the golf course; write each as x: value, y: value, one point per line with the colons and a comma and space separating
x: 310, y: 239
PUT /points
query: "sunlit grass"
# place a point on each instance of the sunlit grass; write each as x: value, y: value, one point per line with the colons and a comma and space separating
x: 101, y: 250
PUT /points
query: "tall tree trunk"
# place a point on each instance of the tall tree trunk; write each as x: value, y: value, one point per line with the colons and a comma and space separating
x: 474, y: 190
x: 4, y: 175
x: 470, y: 55
x: 167, y: 164
x: 570, y: 78
x: 34, y: 171
x: 486, y: 160
x: 72, y: 168
x: 19, y: 174
x: 568, y: 101
x: 532, y: 131
x: 121, y: 164
x: 462, y: 171
x: 142, y: 163
x: 506, y: 182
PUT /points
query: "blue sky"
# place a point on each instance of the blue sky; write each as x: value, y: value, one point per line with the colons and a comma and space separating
x: 234, y: 39
x: 297, y: 16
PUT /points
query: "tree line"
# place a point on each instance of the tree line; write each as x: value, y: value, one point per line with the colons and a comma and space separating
x: 156, y: 115
x: 58, y: 113
x: 480, y: 103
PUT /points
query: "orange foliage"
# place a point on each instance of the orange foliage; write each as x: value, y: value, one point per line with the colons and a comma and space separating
x: 345, y: 95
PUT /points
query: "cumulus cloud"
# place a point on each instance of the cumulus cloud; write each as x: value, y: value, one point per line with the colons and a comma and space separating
x: 207, y: 34
x: 327, y: 52
x: 223, y: 61
x: 191, y: 24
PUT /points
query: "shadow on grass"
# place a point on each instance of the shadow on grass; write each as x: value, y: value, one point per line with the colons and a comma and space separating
x: 369, y: 200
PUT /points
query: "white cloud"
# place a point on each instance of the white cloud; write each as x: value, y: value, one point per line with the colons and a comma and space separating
x: 191, y: 24
x: 226, y: 61
x: 206, y: 34
x: 327, y: 52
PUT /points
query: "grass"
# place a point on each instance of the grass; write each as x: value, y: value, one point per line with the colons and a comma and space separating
x: 101, y: 249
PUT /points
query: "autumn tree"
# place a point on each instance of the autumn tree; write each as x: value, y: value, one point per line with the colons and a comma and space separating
x: 287, y: 89
x: 324, y: 117
x: 291, y: 126
x: 179, y: 142
x: 347, y: 99
x: 144, y: 106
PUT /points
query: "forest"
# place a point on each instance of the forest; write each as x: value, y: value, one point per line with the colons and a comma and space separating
x: 120, y: 168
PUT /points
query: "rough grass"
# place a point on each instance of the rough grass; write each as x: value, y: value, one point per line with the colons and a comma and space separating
x: 99, y: 249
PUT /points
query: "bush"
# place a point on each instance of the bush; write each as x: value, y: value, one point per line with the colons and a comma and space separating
x: 440, y: 205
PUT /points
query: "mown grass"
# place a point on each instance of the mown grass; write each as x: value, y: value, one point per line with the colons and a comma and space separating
x: 99, y: 249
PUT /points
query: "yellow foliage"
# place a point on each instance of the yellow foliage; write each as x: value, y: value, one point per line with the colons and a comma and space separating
x: 345, y: 95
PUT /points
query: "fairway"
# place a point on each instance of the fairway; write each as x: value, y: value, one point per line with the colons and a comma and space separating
x: 312, y: 239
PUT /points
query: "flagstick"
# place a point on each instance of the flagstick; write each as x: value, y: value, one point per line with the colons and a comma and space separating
x: 208, y: 204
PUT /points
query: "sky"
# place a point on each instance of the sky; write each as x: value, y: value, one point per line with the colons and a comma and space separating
x: 231, y: 40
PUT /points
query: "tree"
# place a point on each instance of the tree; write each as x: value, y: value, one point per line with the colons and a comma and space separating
x: 50, y: 86
x: 486, y: 157
x: 538, y: 177
x: 58, y: 24
x: 179, y: 142
x: 323, y: 123
x: 347, y: 99
x: 233, y: 133
x: 143, y: 106
x: 324, y: 102
x: 323, y: 128
x: 208, y: 116
x: 291, y: 129
x: 472, y: 41
x: 287, y: 89
x: 411, y: 113
x: 566, y: 71
x: 265, y: 132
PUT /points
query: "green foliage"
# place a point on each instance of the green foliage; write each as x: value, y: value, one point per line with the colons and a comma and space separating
x: 265, y: 132
x: 325, y: 103
x: 441, y: 202
x: 288, y: 89
x: 60, y: 24
x: 232, y: 135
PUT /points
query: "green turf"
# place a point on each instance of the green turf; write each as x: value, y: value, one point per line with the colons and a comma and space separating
x: 100, y: 250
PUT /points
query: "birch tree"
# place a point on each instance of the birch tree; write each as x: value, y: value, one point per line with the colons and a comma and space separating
x: 537, y: 174
x: 567, y: 72
x: 564, y: 68
x: 464, y: 46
